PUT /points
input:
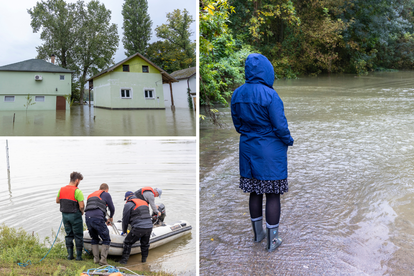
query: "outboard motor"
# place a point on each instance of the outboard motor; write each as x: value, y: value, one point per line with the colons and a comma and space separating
x: 159, y: 220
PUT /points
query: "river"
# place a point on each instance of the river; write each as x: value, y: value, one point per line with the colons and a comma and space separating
x: 83, y: 120
x: 40, y: 166
x: 349, y: 209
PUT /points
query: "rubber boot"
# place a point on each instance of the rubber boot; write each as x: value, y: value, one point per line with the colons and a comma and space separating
x: 70, y: 253
x: 104, y: 254
x: 79, y: 254
x: 259, y: 233
x: 95, y: 252
x: 273, y: 240
x: 125, y: 254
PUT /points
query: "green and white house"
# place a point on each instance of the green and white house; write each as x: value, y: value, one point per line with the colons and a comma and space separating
x: 133, y: 83
x: 46, y: 83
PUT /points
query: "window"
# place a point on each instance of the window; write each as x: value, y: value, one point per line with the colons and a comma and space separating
x: 126, y: 94
x: 62, y: 77
x: 149, y: 93
x: 145, y: 69
x: 125, y: 68
x: 9, y: 98
x: 39, y: 98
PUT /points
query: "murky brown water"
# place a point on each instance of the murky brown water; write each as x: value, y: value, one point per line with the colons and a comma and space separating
x: 90, y: 121
x: 349, y: 209
x: 40, y: 166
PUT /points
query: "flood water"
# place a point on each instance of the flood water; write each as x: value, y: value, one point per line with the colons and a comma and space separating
x: 83, y: 120
x: 349, y: 209
x: 40, y: 167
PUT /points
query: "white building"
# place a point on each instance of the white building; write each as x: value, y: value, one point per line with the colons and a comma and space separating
x: 181, y: 90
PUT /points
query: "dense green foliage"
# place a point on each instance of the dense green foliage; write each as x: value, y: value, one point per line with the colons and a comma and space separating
x: 79, y: 35
x: 221, y: 60
x: 307, y: 37
x: 137, y: 26
x: 175, y: 51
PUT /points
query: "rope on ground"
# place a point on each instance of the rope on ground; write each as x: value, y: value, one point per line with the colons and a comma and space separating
x: 30, y: 262
x: 107, y: 269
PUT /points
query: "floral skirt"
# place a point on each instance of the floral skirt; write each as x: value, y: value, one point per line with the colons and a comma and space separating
x: 250, y: 185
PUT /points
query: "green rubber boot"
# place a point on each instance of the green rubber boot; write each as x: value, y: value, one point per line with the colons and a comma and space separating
x: 70, y: 253
x: 273, y: 240
x: 259, y: 233
x: 79, y: 254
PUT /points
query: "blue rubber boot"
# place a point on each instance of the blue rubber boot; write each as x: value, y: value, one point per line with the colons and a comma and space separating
x: 259, y: 233
x: 273, y: 240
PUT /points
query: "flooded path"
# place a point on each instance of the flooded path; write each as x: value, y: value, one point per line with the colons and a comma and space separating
x: 41, y: 166
x: 350, y: 205
x: 90, y: 121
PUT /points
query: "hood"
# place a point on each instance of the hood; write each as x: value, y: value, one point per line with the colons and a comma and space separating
x: 258, y: 69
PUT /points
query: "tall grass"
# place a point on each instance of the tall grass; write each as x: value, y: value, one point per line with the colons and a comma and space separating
x: 18, y: 246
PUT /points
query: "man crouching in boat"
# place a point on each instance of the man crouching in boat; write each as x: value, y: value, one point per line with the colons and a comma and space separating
x: 96, y: 222
x: 148, y: 194
x: 71, y: 203
x: 136, y: 213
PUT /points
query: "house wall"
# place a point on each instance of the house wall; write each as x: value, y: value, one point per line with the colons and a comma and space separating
x: 20, y: 84
x: 107, y: 88
x: 179, y: 92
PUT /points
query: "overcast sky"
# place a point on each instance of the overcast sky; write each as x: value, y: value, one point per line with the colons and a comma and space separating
x: 18, y: 42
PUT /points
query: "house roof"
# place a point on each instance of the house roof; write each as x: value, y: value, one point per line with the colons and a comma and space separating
x: 166, y: 78
x: 34, y: 65
x: 184, y: 73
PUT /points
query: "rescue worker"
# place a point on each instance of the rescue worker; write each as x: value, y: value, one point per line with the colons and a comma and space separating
x: 148, y: 194
x: 136, y: 213
x: 96, y: 221
x: 72, y: 206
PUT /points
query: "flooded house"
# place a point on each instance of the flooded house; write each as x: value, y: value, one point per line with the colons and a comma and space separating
x: 181, y: 90
x: 133, y: 83
x: 36, y: 81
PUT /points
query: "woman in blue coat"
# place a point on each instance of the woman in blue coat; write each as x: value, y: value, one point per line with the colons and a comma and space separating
x: 258, y: 115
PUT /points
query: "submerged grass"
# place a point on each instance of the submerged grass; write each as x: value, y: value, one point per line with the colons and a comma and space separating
x: 17, y: 246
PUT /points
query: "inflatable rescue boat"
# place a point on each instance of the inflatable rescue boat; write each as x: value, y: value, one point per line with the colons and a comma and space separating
x: 160, y: 235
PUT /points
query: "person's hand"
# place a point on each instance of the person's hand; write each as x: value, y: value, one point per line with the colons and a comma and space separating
x: 159, y: 213
x: 110, y: 221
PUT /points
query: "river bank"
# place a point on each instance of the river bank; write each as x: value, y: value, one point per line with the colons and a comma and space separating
x: 21, y: 254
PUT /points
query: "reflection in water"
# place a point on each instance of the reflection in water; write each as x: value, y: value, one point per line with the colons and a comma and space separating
x: 41, y: 166
x: 349, y: 209
x: 9, y: 182
x: 90, y: 121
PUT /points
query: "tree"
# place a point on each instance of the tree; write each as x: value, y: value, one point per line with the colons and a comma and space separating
x: 168, y: 57
x: 60, y: 28
x: 137, y: 26
x: 79, y: 35
x: 177, y: 32
x: 98, y: 41
x: 221, y: 61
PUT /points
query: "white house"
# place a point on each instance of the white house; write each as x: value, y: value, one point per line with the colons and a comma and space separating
x: 181, y: 90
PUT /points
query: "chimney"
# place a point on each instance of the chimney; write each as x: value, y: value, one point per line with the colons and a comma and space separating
x: 52, y: 59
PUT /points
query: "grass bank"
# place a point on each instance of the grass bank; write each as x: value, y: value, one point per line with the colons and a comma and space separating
x: 18, y: 246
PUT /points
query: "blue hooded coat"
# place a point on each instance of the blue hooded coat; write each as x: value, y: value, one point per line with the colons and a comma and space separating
x: 258, y: 115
